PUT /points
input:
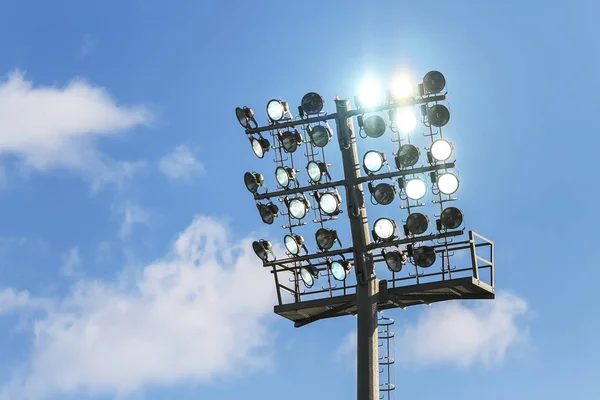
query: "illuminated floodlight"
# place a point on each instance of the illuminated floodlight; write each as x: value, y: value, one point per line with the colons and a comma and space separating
x: 329, y: 202
x: 424, y: 256
x: 384, y: 229
x: 416, y: 188
x: 370, y: 93
x: 408, y: 155
x: 438, y: 115
x: 434, y: 82
x: 339, y: 269
x: 383, y: 193
x: 441, y: 150
x: 451, y: 218
x: 309, y: 274
x: 293, y: 243
x: 447, y: 183
x: 373, y: 161
x: 374, y: 126
x: 262, y: 249
x: 244, y: 115
x: 297, y: 206
x: 325, y: 238
x: 417, y: 223
x: 260, y: 146
x: 268, y: 212
x: 277, y: 109
x: 316, y: 170
x: 285, y: 175
x: 319, y: 135
x: 405, y: 120
x: 312, y: 103
x: 394, y: 260
x: 290, y: 140
x: 401, y: 88
x: 253, y: 180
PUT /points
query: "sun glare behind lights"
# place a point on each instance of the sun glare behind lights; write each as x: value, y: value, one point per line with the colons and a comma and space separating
x: 416, y: 188
x: 447, y: 183
x: 384, y: 229
x: 441, y: 150
x: 406, y: 120
x: 373, y: 161
x: 370, y: 93
x: 401, y: 88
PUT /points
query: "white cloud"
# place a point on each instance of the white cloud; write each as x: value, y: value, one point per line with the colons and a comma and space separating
x: 132, y: 214
x: 195, y: 316
x: 54, y: 127
x: 180, y: 164
x: 71, y: 261
x: 457, y: 334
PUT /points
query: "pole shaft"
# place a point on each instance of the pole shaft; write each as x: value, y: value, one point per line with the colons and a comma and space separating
x: 367, y: 289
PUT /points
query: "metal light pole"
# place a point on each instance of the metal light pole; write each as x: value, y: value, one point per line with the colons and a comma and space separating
x: 368, y: 295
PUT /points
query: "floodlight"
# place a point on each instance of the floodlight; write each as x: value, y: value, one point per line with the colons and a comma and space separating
x: 383, y: 193
x: 262, y: 248
x: 447, y: 183
x: 284, y: 175
x: 312, y: 103
x: 434, y: 82
x: 293, y: 243
x: 316, y: 170
x: 290, y: 140
x: 253, y: 180
x: 401, y: 88
x: 374, y: 126
x: 408, y: 155
x: 329, y: 202
x: 297, y: 206
x: 384, y: 229
x: 373, y: 161
x: 441, y: 149
x: 276, y: 109
x: 417, y: 223
x: 416, y: 188
x: 260, y: 146
x: 268, y: 212
x: 319, y: 135
x: 370, y: 93
x: 325, y: 238
x: 339, y: 269
x: 405, y: 119
x: 244, y: 116
x: 451, y: 218
x: 424, y: 256
x: 395, y: 260
x: 438, y: 115
x: 308, y: 275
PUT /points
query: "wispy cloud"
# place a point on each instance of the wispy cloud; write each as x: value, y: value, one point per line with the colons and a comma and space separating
x: 198, y: 314
x: 180, y: 164
x: 132, y: 214
x: 86, y: 44
x: 71, y: 261
x: 55, y: 127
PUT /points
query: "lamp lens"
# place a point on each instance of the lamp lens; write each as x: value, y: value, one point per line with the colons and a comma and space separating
x: 275, y: 110
x: 241, y: 117
x: 417, y: 223
x: 328, y: 203
x: 338, y: 270
x: 251, y: 182
x: 434, y: 82
x: 291, y: 245
x: 314, y: 171
x: 424, y: 256
x: 282, y: 177
x: 408, y: 155
x: 257, y: 148
x: 451, y: 218
x: 373, y: 161
x: 325, y: 238
x: 289, y: 141
x: 320, y: 136
x: 395, y: 260
x: 447, y: 183
x: 384, y: 193
x: 297, y: 209
x: 266, y: 214
x: 312, y: 103
x: 374, y: 126
x: 438, y: 115
x: 384, y: 228
x: 259, y: 250
x: 307, y: 277
x: 441, y: 150
x: 416, y: 189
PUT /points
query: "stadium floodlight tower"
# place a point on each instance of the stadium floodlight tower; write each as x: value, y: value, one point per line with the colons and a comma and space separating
x: 416, y: 242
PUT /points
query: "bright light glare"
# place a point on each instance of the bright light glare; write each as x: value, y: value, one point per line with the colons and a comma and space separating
x: 447, y: 183
x: 275, y: 110
x: 373, y: 161
x: 416, y: 189
x: 406, y: 120
x: 384, y: 228
x: 401, y: 88
x: 441, y: 150
x: 370, y: 93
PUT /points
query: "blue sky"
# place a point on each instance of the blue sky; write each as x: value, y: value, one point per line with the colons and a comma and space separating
x: 125, y: 264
